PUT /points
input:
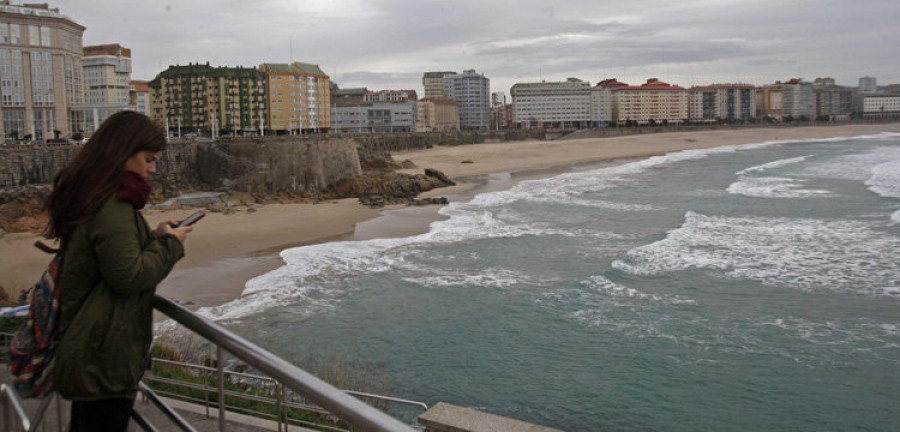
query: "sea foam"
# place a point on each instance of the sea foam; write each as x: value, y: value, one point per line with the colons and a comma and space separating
x: 808, y: 254
x: 312, y: 274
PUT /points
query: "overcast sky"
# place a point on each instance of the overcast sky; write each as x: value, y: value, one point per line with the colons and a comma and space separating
x: 388, y: 44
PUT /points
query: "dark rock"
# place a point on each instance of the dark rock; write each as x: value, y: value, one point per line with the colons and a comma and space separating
x: 430, y: 172
x: 467, y: 161
x: 429, y: 201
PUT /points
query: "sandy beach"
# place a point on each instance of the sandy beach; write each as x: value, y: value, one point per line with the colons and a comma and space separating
x: 225, y: 251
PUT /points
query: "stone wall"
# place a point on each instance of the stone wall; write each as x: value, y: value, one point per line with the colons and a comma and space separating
x: 33, y: 164
x: 304, y: 164
x: 270, y: 165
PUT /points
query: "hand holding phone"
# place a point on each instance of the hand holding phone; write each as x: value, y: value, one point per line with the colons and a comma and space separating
x: 192, y: 219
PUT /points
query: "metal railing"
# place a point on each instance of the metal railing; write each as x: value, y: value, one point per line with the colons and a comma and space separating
x: 333, y: 401
x: 266, y: 390
x: 353, y: 411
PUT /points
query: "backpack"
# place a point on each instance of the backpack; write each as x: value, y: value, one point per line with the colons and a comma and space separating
x: 32, y: 350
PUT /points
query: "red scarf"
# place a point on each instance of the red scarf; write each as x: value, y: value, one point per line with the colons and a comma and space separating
x: 134, y: 189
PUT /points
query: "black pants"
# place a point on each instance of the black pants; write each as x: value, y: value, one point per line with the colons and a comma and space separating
x: 107, y: 415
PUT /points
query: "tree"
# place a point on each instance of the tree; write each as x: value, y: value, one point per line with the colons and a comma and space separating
x: 788, y: 119
x: 652, y: 122
x: 77, y: 136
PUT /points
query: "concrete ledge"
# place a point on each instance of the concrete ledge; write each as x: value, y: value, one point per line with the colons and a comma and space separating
x: 445, y: 417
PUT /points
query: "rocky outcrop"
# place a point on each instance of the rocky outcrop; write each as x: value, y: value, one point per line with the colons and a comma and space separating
x: 377, y: 189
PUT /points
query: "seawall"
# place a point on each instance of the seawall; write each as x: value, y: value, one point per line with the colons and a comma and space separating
x: 305, y: 164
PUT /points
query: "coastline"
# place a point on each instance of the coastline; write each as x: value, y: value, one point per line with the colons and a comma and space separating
x: 225, y: 251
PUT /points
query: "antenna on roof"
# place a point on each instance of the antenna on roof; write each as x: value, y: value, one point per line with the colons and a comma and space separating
x: 292, y: 49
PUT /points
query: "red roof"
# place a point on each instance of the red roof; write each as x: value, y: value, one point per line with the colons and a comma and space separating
x: 652, y: 84
x: 610, y: 82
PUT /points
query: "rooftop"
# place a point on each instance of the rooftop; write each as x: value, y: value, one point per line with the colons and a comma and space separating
x: 108, y: 50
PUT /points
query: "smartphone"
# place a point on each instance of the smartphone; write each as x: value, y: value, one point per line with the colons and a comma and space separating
x: 192, y: 219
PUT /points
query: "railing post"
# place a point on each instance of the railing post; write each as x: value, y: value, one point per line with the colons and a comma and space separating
x: 221, y: 366
x: 279, y: 396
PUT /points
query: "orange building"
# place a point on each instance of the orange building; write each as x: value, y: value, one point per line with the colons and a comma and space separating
x: 299, y: 97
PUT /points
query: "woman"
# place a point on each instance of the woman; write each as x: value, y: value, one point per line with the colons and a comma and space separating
x: 113, y: 262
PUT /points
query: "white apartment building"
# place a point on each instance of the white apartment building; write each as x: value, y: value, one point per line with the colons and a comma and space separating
x: 602, y: 101
x: 472, y: 91
x: 374, y: 118
x: 654, y: 100
x: 877, y: 107
x: 40, y: 71
x: 722, y: 102
x: 799, y: 99
x: 107, y: 85
x: 565, y: 104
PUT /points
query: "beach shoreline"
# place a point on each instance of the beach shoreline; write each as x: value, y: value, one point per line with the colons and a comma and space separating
x: 225, y: 251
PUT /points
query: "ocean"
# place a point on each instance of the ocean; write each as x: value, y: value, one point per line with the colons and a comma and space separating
x: 750, y: 287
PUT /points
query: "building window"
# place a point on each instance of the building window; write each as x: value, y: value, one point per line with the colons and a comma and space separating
x: 34, y: 35
x: 45, y: 36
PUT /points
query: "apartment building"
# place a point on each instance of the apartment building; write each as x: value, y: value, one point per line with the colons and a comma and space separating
x: 563, y: 104
x: 654, y: 100
x: 881, y: 107
x: 140, y: 96
x: 107, y: 85
x: 770, y: 102
x: 434, y: 84
x: 832, y: 101
x: 702, y: 104
x: 798, y: 98
x: 206, y: 99
x: 501, y: 112
x: 433, y: 115
x: 602, y: 101
x: 471, y: 91
x: 391, y: 96
x: 374, y: 118
x: 41, y: 76
x: 298, y: 97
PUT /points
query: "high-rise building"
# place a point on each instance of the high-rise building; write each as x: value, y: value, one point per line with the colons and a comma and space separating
x: 472, y: 92
x: 434, y: 85
x: 602, y: 101
x: 202, y: 98
x: 565, y: 104
x: 655, y: 100
x: 832, y: 101
x: 107, y: 85
x: 868, y: 84
x: 770, y: 102
x: 799, y: 99
x: 40, y: 71
x: 702, y: 104
x: 298, y: 97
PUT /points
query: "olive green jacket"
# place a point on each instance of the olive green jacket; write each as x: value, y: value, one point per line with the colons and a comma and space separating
x: 112, y: 266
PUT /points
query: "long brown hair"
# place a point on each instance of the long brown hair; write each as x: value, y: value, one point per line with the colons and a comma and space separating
x: 81, y: 188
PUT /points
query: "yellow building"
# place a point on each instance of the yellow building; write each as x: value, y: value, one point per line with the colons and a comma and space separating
x: 770, y: 102
x: 201, y: 98
x: 655, y: 100
x: 434, y: 115
x: 299, y: 97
